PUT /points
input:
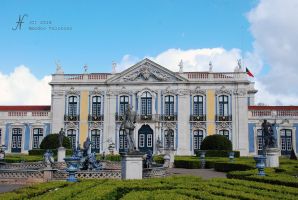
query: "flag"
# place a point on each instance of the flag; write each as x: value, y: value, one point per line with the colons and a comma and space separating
x: 249, y: 73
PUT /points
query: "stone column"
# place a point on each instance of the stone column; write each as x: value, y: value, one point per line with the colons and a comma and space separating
x: 61, y: 154
x: 131, y: 166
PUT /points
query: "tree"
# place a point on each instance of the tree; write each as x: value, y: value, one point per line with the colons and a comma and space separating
x: 51, y: 141
x: 216, y: 142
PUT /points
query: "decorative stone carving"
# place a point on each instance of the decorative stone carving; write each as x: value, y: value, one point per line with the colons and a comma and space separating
x: 169, y: 125
x: 72, y: 91
x: 58, y: 93
x: 223, y: 125
x: 95, y: 125
x: 123, y: 90
x: 96, y: 91
x: 140, y: 92
x: 197, y: 91
x: 240, y: 92
x: 223, y: 90
x: 71, y: 125
x: 145, y: 72
x: 169, y: 91
x: 199, y: 125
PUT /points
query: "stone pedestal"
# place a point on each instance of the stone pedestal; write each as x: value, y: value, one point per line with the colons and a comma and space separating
x: 48, y: 174
x: 131, y: 166
x: 272, y: 157
x: 171, y: 155
x: 61, y: 154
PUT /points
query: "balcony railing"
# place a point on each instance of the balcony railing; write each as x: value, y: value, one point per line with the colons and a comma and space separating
x: 71, y: 117
x: 197, y: 118
x: 145, y: 117
x: 168, y: 117
x: 223, y: 118
x: 118, y: 117
x: 95, y: 118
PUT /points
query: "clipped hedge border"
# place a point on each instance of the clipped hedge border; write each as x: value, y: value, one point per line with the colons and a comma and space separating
x: 35, y: 152
x: 271, y: 177
x: 231, y: 166
x: 218, y: 153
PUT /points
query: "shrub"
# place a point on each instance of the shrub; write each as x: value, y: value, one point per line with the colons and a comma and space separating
x: 230, y: 166
x: 51, y: 141
x: 42, y: 151
x: 216, y: 142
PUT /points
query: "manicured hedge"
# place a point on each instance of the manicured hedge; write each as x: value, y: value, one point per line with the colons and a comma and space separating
x: 216, y: 142
x: 51, y: 141
x: 16, y: 158
x: 42, y: 151
x: 271, y: 177
x: 231, y: 166
x: 217, y: 153
x: 174, y: 188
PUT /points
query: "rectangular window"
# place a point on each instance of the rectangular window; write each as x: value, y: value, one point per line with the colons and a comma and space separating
x: 37, y: 137
x: 142, y: 140
x: 149, y: 140
x: 123, y: 104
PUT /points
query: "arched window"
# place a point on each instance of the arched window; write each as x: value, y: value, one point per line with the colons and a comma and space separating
x: 96, y: 106
x: 72, y: 106
x: 71, y: 134
x: 286, y: 141
x: 169, y: 139
x: 95, y: 139
x: 146, y: 104
x: 198, y: 105
x: 37, y: 137
x: 122, y: 141
x: 223, y: 102
x: 197, y: 139
x: 225, y: 133
x: 169, y: 105
x: 123, y: 104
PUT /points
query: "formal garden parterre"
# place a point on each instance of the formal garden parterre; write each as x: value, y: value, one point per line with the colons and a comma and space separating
x: 279, y: 183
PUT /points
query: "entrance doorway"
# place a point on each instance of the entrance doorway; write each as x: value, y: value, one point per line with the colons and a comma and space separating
x: 145, y: 138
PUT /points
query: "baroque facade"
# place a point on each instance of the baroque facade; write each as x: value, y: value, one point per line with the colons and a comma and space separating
x: 174, y: 109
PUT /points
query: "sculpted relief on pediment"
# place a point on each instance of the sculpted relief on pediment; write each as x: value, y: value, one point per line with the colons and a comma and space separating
x: 147, y: 72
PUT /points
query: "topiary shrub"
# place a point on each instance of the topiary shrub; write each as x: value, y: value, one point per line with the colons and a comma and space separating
x: 216, y: 142
x: 51, y: 141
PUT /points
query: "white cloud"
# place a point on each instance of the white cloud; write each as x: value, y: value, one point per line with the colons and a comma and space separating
x: 274, y: 26
x: 198, y: 59
x: 21, y: 87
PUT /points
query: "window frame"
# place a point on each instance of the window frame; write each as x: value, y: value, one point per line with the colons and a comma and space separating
x: 123, y: 104
x: 199, y: 104
x: 146, y: 104
x: 72, y: 106
x: 169, y: 105
x: 223, y: 105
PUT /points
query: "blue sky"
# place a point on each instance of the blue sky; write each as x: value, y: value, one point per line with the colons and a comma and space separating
x: 263, y: 33
x: 103, y: 31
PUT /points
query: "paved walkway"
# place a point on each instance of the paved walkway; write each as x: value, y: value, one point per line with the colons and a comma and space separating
x: 8, y: 188
x: 204, y: 173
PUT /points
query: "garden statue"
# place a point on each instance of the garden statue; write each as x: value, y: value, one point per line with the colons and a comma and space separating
x: 86, y: 146
x: 61, y: 136
x: 158, y: 145
x: 48, y: 158
x: 128, y: 126
x: 148, y: 160
x: 268, y: 134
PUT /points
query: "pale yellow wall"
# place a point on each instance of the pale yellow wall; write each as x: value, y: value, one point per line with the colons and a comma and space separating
x: 210, y: 112
x: 84, y: 117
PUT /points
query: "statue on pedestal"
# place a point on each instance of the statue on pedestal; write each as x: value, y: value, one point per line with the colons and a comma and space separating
x: 61, y: 136
x: 268, y: 134
x: 128, y: 126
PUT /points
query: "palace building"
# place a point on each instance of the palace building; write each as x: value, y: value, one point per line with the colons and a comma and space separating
x: 176, y: 109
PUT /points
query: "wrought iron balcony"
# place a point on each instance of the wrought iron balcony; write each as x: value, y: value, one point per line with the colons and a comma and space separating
x: 71, y: 117
x: 168, y: 117
x: 223, y: 118
x: 118, y: 117
x: 197, y: 118
x: 95, y: 118
x: 146, y: 117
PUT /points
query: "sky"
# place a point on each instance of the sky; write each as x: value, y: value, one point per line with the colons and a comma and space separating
x: 262, y: 33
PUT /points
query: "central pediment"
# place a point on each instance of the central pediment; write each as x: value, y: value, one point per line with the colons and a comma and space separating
x: 146, y: 71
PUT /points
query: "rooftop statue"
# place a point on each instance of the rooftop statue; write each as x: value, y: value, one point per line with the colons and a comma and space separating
x: 128, y: 126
